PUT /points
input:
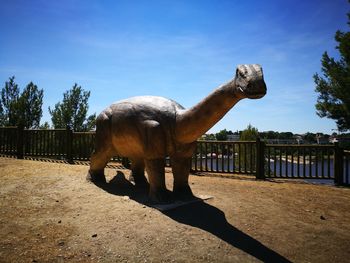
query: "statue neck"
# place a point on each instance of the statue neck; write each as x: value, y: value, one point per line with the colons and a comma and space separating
x: 194, y: 122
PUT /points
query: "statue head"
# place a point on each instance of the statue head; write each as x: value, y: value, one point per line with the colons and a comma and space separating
x: 249, y: 81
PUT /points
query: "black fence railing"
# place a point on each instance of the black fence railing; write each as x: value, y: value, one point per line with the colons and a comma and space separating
x: 83, y: 145
x: 346, y: 168
x: 8, y: 139
x: 329, y: 162
x: 225, y: 157
x: 45, y: 143
x: 300, y: 161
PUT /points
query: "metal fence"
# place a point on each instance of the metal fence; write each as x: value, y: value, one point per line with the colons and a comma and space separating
x: 83, y: 145
x: 225, y: 157
x: 300, y: 161
x: 45, y: 143
x: 346, y: 168
x: 328, y: 162
x: 8, y: 139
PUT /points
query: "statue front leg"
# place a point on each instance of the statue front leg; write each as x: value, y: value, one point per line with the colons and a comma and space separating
x: 156, y: 177
x: 181, y: 170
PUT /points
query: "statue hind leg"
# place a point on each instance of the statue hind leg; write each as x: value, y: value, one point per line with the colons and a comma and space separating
x: 101, y: 155
x: 138, y: 173
x: 156, y: 176
x: 98, y: 162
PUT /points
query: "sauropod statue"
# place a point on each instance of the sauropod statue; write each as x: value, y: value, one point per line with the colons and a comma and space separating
x: 146, y: 129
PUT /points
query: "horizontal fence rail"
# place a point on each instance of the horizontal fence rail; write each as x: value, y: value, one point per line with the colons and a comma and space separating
x: 328, y: 162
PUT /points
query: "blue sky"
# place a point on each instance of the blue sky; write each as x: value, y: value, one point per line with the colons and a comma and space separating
x: 177, y: 49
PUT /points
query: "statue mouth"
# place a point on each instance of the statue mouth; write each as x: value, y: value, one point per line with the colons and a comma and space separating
x: 253, y: 90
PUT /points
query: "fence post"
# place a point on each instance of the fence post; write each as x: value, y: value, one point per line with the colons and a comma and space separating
x: 338, y: 164
x: 20, y: 140
x: 260, y: 159
x: 69, y: 145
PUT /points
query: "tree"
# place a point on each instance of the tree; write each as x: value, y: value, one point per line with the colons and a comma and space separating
x: 334, y: 87
x: 45, y: 126
x: 221, y: 135
x: 285, y: 135
x: 9, y: 103
x: 310, y: 137
x: 269, y: 135
x: 30, y: 106
x: 247, y: 156
x: 72, y: 111
x: 23, y: 109
x: 249, y: 134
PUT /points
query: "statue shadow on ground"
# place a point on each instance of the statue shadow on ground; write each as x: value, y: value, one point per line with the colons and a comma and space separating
x: 200, y: 215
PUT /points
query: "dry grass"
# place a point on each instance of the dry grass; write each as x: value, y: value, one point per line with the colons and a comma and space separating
x: 49, y: 213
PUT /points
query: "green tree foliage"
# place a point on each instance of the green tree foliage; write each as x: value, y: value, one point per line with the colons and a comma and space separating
x: 72, y: 111
x: 249, y: 134
x: 269, y: 135
x: 334, y: 87
x: 286, y: 135
x: 9, y: 103
x: 310, y: 137
x: 20, y: 109
x: 45, y: 126
x: 247, y: 156
x: 30, y: 106
x: 222, y: 135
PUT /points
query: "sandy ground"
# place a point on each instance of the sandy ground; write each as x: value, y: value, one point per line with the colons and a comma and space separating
x: 49, y: 213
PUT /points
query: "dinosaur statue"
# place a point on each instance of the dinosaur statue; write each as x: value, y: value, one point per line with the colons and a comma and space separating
x: 146, y: 129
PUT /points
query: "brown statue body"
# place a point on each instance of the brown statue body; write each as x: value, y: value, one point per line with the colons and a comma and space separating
x: 147, y: 129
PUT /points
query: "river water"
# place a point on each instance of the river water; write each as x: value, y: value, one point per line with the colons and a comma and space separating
x: 282, y: 169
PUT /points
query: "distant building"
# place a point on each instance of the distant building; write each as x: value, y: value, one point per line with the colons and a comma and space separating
x: 299, y: 139
x: 282, y: 141
x: 233, y: 137
x: 335, y: 138
x: 322, y: 140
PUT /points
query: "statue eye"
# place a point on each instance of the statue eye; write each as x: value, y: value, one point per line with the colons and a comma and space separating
x: 241, y: 74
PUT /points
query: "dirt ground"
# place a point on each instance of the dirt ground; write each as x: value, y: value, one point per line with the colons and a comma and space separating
x: 49, y: 213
